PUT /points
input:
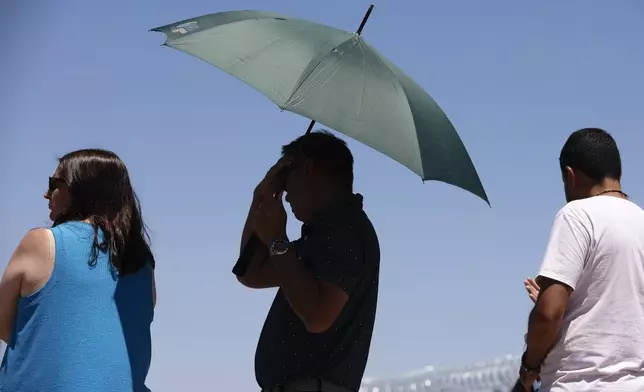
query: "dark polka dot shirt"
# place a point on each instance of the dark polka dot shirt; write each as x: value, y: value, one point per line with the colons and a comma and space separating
x: 340, y: 247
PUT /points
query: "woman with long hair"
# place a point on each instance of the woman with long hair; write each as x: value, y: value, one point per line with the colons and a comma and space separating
x: 77, y: 299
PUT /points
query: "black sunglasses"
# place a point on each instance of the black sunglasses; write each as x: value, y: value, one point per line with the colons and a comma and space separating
x: 54, y: 183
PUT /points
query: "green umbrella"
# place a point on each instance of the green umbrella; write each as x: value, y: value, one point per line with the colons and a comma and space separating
x: 336, y: 78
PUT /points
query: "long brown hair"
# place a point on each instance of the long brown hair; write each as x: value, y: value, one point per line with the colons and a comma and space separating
x: 101, y: 194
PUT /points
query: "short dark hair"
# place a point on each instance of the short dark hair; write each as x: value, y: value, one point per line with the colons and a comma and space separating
x: 594, y: 152
x: 329, y: 153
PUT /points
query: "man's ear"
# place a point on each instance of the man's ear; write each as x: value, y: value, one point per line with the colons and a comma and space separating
x: 569, y: 175
x: 308, y: 167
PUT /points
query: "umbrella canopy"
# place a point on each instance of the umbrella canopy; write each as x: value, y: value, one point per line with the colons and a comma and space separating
x: 335, y: 78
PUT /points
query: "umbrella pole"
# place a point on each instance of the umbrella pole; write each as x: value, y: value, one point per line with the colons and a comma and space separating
x: 359, y: 32
x: 364, y: 20
x: 310, y: 128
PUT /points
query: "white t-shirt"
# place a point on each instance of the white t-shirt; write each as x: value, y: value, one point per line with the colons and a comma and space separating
x: 597, y: 247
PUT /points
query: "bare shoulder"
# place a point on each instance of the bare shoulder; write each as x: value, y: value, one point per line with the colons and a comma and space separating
x: 34, y: 246
x: 33, y: 259
x: 37, y: 242
x: 34, y: 255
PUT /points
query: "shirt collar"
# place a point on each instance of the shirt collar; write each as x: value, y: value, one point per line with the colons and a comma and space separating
x: 338, y: 208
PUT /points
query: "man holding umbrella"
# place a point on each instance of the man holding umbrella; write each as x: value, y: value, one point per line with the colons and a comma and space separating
x: 318, y: 331
x: 319, y: 328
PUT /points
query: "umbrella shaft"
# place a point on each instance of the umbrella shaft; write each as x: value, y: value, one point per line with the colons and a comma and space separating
x: 310, y: 128
x: 364, y: 20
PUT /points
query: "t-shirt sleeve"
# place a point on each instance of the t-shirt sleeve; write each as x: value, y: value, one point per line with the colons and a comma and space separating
x: 567, y: 249
x: 337, y: 257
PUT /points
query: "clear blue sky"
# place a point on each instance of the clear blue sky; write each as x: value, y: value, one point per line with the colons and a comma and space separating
x: 514, y: 77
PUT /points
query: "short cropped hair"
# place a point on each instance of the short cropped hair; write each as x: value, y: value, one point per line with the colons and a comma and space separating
x: 329, y: 153
x: 594, y: 152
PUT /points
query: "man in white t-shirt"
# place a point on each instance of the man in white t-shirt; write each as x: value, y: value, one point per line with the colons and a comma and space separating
x: 586, y: 331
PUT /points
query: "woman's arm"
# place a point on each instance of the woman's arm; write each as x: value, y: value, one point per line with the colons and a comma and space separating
x: 30, y: 253
x: 9, y: 294
x: 154, y: 290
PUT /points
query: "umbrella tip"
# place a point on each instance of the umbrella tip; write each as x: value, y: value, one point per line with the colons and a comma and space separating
x: 487, y: 200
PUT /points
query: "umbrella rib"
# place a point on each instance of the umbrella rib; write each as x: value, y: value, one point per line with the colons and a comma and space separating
x: 411, y: 112
x: 423, y: 176
x: 304, y: 77
x: 292, y: 102
x: 364, y: 75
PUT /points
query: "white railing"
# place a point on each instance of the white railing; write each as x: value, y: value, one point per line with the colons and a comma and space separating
x: 491, y: 376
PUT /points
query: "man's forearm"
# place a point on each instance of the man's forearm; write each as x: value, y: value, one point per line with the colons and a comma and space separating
x: 542, y: 335
x: 258, y: 274
x: 247, y: 232
x: 301, y: 288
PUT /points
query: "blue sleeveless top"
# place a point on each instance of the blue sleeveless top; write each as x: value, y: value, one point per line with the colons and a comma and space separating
x: 86, y: 330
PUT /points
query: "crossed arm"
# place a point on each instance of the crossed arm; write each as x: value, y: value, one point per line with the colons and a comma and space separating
x: 317, y: 289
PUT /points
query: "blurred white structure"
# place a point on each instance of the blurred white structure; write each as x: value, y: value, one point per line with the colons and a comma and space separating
x: 2, y: 348
x: 498, y: 375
